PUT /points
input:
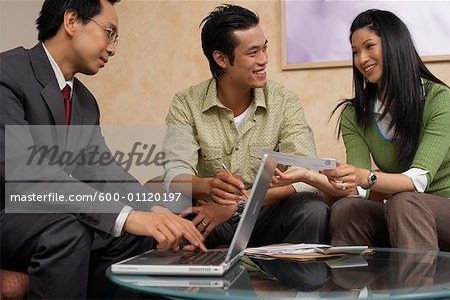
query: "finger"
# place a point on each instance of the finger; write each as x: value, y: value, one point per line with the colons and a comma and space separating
x: 191, y: 234
x: 208, y: 230
x: 202, y: 226
x: 176, y: 232
x: 198, y: 218
x: 225, y: 195
x: 227, y: 202
x: 171, y: 238
x: 160, y: 239
x: 278, y: 172
x: 164, y: 242
x: 189, y: 228
x: 189, y: 248
x: 336, y: 184
x: 281, y: 167
x: 228, y: 182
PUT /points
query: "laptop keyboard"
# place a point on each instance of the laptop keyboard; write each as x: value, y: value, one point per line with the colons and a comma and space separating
x: 199, y: 258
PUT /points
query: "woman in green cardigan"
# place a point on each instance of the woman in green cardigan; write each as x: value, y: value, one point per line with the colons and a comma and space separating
x: 399, y: 117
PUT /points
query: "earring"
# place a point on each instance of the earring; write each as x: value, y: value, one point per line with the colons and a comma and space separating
x: 364, y: 83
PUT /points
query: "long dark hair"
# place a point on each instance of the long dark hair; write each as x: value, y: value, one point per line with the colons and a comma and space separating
x: 401, y: 82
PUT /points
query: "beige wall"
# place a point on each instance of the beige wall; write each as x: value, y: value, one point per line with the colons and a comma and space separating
x: 160, y: 53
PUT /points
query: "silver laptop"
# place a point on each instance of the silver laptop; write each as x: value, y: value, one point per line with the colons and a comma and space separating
x: 223, y: 282
x: 217, y: 261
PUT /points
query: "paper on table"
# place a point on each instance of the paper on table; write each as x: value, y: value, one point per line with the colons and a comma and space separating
x: 303, y: 252
x: 286, y: 249
x: 313, y: 163
x: 348, y: 261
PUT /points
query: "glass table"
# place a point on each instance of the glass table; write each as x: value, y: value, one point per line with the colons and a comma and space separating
x: 386, y: 273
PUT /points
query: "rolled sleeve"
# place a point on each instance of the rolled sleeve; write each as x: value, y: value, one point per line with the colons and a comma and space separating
x: 419, y: 178
x: 180, y: 146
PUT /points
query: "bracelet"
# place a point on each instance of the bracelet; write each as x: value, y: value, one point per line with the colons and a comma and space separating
x: 240, y: 205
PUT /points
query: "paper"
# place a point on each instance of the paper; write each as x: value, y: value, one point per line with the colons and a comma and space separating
x: 348, y: 261
x: 304, y: 252
x: 287, y: 249
x: 313, y: 163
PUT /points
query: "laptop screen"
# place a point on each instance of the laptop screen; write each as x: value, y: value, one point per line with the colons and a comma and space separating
x: 252, y: 207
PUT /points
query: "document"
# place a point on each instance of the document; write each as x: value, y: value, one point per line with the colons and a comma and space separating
x: 348, y: 261
x: 312, y: 163
x: 304, y: 252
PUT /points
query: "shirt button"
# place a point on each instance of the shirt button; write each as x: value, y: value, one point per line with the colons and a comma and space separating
x: 236, y: 148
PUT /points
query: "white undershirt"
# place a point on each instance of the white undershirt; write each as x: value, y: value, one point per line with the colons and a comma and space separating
x: 239, y: 120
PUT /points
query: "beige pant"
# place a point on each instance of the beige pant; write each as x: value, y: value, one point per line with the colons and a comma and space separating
x: 407, y: 220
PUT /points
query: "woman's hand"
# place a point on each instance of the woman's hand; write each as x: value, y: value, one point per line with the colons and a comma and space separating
x: 345, y: 178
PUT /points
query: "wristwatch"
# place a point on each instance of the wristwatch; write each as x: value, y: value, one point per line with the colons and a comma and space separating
x: 371, y: 179
x: 240, y: 205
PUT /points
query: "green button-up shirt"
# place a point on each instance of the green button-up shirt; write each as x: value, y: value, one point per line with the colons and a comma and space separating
x: 276, y: 122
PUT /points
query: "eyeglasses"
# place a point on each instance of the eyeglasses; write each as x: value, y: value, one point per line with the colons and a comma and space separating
x: 110, y: 32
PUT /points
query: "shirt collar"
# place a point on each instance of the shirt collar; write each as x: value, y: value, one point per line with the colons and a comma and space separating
x: 211, y: 99
x: 58, y: 73
x: 378, y: 107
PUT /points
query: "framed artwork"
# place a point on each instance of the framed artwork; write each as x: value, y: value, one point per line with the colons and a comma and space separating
x: 315, y: 33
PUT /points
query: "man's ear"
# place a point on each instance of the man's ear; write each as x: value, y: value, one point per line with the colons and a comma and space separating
x: 221, y: 59
x: 71, y: 21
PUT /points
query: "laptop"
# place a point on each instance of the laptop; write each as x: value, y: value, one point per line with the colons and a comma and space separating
x: 216, y: 261
x: 222, y: 282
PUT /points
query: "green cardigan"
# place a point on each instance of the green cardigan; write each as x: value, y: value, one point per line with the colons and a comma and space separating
x: 433, y: 152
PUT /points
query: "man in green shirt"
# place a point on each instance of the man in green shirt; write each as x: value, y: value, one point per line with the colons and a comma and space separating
x: 231, y: 116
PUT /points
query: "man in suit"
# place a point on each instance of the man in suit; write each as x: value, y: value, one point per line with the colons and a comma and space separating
x: 65, y: 254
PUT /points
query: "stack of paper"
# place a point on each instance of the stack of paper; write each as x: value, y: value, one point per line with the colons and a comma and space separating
x: 303, y: 252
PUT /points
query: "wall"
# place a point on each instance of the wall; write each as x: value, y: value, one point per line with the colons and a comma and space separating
x: 160, y: 53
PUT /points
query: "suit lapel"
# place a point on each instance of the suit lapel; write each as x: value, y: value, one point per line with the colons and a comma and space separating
x: 76, y: 115
x: 46, y: 77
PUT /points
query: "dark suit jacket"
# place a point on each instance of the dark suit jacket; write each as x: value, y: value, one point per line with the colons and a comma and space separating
x: 30, y: 95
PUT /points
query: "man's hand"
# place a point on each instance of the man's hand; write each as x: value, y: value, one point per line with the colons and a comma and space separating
x: 226, y: 188
x: 166, y: 228
x: 288, y: 177
x: 209, y: 215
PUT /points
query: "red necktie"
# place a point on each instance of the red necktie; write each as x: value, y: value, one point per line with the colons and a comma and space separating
x: 66, y: 94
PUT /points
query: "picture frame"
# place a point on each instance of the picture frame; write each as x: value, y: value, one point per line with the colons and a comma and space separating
x: 315, y: 33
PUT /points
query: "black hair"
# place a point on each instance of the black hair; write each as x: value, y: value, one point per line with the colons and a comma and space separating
x: 401, y: 82
x: 218, y: 32
x: 52, y: 14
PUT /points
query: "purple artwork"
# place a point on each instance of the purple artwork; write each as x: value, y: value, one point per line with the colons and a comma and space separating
x: 318, y: 30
